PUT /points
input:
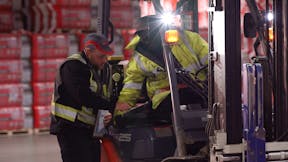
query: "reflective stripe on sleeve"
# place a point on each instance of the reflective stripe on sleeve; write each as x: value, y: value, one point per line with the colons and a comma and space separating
x: 93, y: 85
x: 87, y: 110
x: 86, y: 118
x: 64, y: 112
x: 204, y: 60
x: 69, y: 113
x: 158, y: 91
x: 140, y: 64
x: 191, y: 67
x: 133, y: 85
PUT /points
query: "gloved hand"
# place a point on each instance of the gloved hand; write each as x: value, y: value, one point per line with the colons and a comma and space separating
x: 107, y: 119
x: 126, y: 116
x: 121, y: 108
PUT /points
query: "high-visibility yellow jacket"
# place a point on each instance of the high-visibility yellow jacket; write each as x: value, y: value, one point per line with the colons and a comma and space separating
x: 157, y: 84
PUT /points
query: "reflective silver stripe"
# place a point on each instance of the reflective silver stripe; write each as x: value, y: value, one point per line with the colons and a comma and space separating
x: 192, y: 67
x: 77, y: 57
x: 203, y: 60
x: 93, y: 85
x: 140, y: 63
x: 157, y: 92
x: 86, y: 118
x: 133, y: 85
x: 87, y: 110
x: 162, y: 90
x: 158, y: 70
x: 64, y: 112
x: 69, y: 113
x: 155, y: 71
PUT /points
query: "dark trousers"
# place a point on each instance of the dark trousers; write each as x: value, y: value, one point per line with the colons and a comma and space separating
x: 77, y: 145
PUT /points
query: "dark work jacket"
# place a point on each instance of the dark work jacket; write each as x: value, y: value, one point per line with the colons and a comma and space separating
x: 74, y: 91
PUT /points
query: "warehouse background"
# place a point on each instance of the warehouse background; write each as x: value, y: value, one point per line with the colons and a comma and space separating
x: 37, y: 35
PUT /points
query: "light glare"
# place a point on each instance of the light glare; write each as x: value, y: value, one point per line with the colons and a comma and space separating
x: 270, y: 16
x: 167, y: 18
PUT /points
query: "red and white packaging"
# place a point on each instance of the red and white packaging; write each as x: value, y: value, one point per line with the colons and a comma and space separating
x: 37, y: 18
x: 10, y: 71
x: 41, y: 116
x: 10, y: 46
x: 44, y: 70
x: 10, y: 5
x: 42, y: 93
x: 118, y: 3
x: 6, y: 20
x: 26, y: 71
x: 73, y: 17
x: 11, y: 95
x: 122, y: 16
x: 6, y: 4
x: 25, y: 47
x: 204, y: 33
x: 11, y: 118
x: 45, y: 18
x: 52, y: 16
x: 46, y: 46
x: 71, y: 3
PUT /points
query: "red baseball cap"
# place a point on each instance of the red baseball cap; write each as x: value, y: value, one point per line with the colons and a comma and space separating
x: 99, y: 42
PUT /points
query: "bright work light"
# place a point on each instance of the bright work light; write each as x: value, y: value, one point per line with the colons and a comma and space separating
x: 270, y: 16
x: 167, y: 18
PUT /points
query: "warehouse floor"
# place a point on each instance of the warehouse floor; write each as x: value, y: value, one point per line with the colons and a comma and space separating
x: 29, y: 148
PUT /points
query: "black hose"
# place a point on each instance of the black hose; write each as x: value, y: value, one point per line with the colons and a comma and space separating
x: 283, y: 136
x: 194, y: 86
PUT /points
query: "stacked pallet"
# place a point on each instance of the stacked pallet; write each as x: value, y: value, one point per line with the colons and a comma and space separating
x: 48, y: 52
x: 11, y: 89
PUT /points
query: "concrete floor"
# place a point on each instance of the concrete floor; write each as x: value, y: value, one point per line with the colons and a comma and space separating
x: 29, y: 148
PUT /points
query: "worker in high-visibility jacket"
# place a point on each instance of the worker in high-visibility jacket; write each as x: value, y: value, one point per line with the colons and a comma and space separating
x: 81, y: 90
x: 147, y: 66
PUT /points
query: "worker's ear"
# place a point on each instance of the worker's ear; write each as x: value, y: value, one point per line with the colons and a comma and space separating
x: 87, y: 51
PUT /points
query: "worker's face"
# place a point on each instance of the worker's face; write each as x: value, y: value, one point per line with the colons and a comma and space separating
x: 97, y: 58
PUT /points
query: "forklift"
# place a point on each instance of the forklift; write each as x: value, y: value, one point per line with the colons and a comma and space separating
x: 245, y: 117
x: 260, y: 133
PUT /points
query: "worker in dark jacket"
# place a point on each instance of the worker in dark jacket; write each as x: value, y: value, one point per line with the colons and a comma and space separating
x: 81, y: 90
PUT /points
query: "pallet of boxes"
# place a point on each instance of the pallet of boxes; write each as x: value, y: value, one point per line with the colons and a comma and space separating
x: 48, y: 52
x: 12, y: 114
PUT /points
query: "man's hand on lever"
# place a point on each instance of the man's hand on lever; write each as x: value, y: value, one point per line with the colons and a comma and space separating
x: 122, y: 106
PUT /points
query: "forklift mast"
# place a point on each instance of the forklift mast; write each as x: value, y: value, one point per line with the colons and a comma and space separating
x: 104, y: 26
x: 281, y: 68
x: 225, y: 52
x: 227, y: 137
